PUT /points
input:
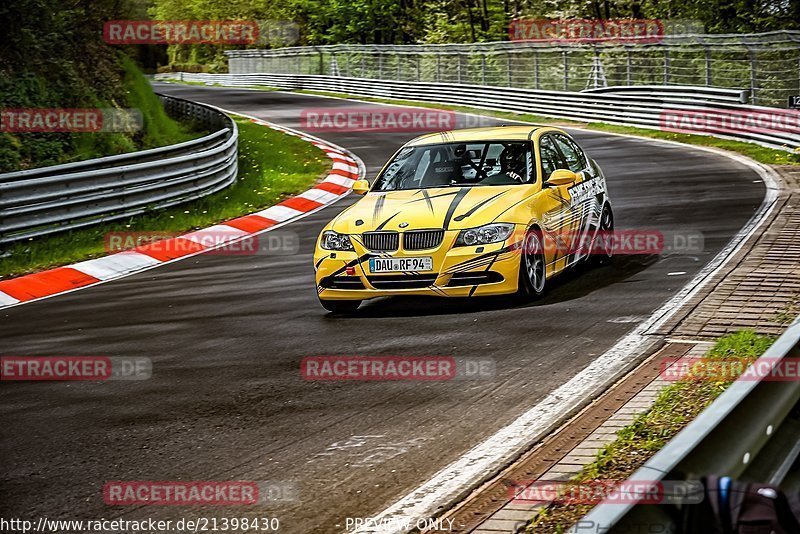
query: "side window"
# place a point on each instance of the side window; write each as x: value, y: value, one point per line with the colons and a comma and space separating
x: 576, y: 160
x: 551, y: 158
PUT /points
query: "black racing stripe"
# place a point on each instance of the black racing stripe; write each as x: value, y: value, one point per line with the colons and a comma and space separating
x: 439, y: 291
x: 378, y: 207
x: 469, y: 265
x: 384, y: 223
x: 316, y: 266
x: 509, y: 248
x: 492, y: 262
x: 428, y: 200
x: 477, y: 206
x: 472, y: 266
x: 463, y: 192
x: 488, y: 267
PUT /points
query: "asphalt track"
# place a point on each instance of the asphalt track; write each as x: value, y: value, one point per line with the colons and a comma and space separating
x: 226, y: 335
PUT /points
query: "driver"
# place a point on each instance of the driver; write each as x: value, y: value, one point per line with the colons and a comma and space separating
x: 513, y: 162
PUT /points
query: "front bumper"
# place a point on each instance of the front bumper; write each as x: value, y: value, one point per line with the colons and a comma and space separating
x: 457, y: 272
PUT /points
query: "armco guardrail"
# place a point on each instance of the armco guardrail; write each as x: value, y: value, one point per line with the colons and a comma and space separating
x: 645, y: 109
x: 706, y: 94
x: 750, y: 432
x: 764, y: 63
x: 52, y: 199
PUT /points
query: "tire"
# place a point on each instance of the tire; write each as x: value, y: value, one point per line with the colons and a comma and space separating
x: 532, y: 266
x: 340, y: 306
x: 606, y: 226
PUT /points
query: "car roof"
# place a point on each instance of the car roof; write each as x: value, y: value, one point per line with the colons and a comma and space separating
x: 494, y: 133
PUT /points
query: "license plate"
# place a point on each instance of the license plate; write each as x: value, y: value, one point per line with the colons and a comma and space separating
x: 400, y: 265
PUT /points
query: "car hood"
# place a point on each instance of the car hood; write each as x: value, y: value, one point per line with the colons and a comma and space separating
x: 451, y: 208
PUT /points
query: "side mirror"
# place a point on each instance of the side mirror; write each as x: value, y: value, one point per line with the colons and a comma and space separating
x: 561, y: 177
x: 361, y: 187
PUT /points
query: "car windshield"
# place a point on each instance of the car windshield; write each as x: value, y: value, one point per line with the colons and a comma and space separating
x: 458, y: 164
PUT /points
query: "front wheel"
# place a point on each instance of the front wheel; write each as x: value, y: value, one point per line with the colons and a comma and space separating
x: 340, y: 306
x: 532, y: 272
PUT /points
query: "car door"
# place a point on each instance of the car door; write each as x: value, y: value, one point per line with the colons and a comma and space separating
x: 554, y: 204
x: 585, y: 204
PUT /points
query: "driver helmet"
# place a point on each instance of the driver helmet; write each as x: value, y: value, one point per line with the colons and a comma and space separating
x: 513, y: 161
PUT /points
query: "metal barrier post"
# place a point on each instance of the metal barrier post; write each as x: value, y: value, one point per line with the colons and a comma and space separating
x: 628, y: 63
x: 753, y: 78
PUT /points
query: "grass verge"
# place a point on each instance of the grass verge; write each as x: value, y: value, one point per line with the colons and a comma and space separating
x: 673, y: 409
x: 272, y: 166
x: 158, y: 129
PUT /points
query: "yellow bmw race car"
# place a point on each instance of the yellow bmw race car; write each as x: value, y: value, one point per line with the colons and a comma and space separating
x: 485, y: 211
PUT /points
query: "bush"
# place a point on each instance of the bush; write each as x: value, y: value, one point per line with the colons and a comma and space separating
x: 54, y: 57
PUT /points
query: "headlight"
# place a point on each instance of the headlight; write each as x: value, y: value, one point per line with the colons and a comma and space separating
x: 333, y: 241
x: 491, y: 233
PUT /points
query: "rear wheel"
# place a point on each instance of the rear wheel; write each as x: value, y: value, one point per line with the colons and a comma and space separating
x: 603, y: 253
x: 340, y: 306
x: 532, y: 273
